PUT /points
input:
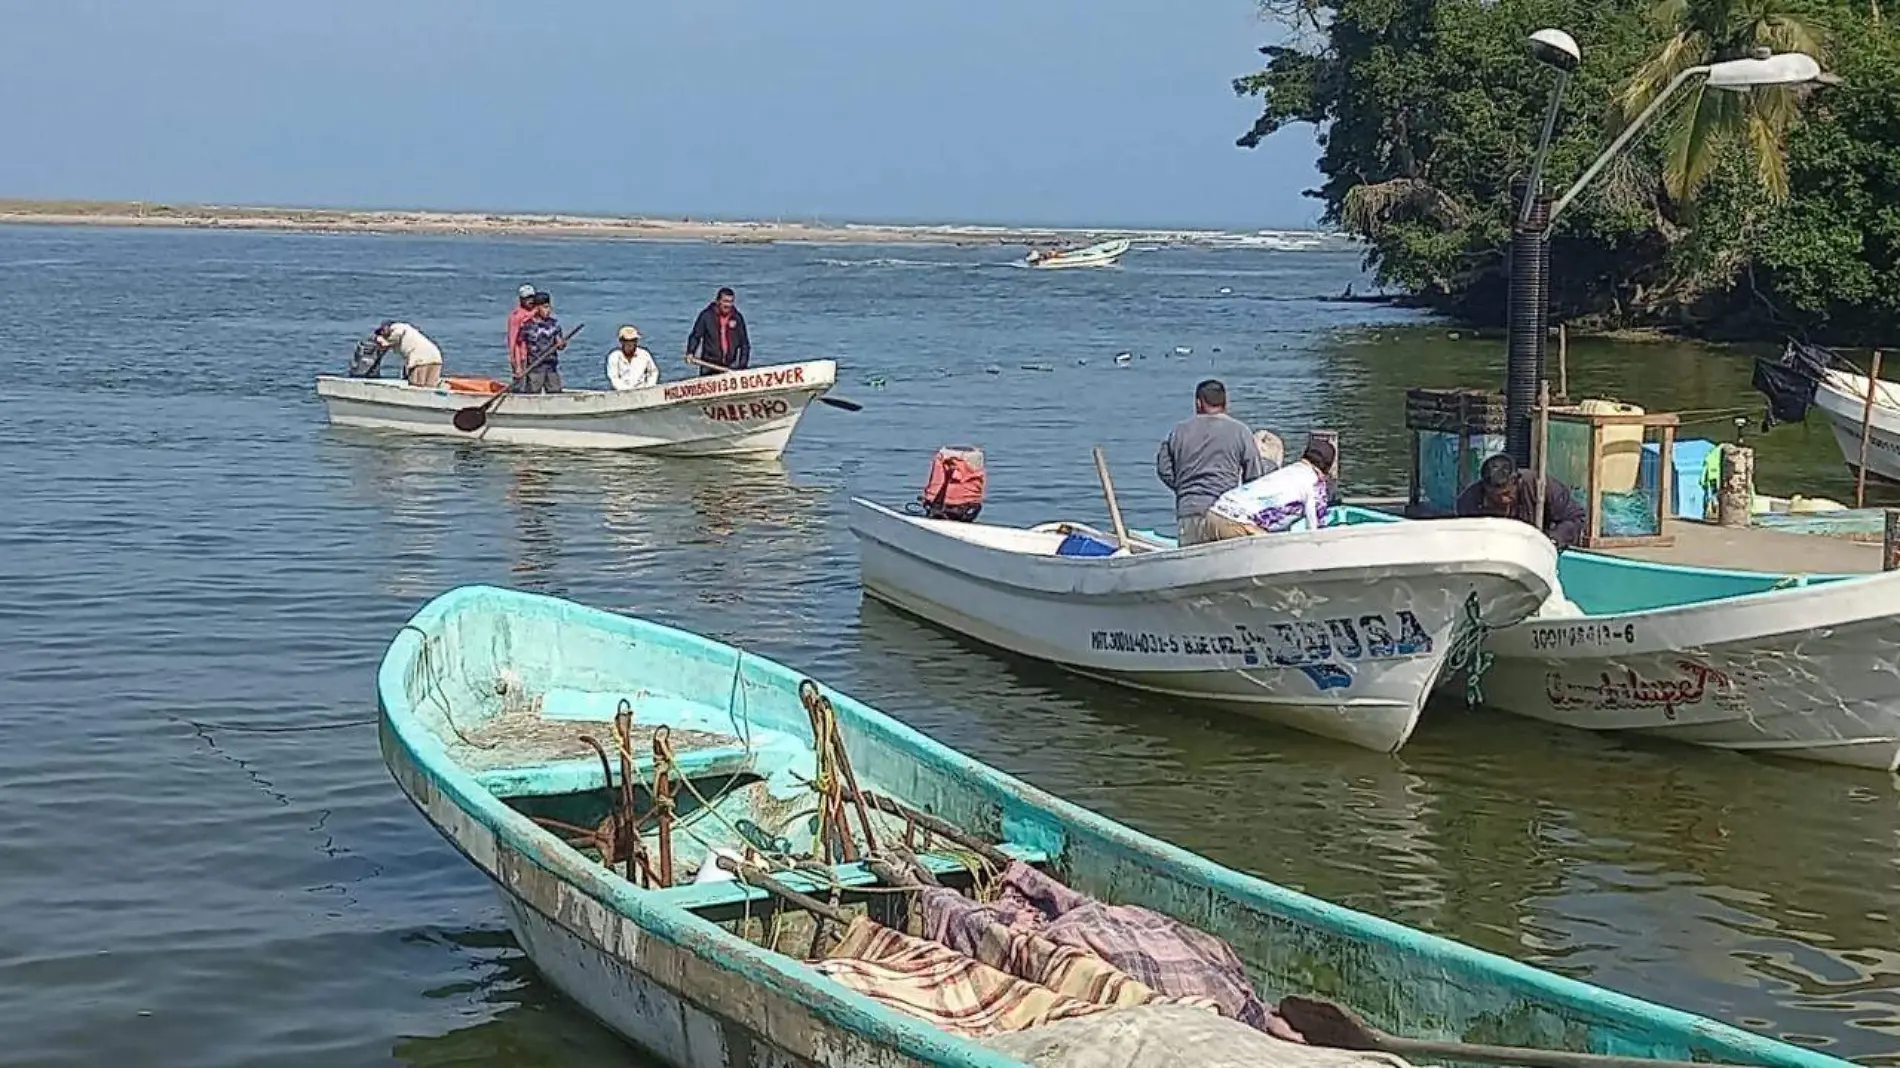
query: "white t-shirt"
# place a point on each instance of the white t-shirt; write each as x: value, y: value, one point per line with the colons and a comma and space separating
x: 632, y: 372
x: 1277, y: 500
x: 416, y: 349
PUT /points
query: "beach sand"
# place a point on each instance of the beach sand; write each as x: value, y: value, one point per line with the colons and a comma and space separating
x: 489, y: 224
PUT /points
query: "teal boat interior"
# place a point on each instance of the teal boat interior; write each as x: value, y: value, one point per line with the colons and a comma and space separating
x: 693, y: 789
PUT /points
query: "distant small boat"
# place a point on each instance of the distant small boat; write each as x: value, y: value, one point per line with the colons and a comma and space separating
x: 1101, y: 254
x: 667, y: 819
x: 745, y: 413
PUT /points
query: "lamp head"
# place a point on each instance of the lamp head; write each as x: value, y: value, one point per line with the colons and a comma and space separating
x: 1555, y: 48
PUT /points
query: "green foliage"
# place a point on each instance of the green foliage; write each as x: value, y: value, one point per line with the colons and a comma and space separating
x: 1428, y: 109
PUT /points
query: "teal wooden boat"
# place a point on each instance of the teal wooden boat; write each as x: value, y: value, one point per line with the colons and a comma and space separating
x: 493, y: 703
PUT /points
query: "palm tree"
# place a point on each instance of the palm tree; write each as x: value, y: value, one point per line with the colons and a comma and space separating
x: 1707, y: 31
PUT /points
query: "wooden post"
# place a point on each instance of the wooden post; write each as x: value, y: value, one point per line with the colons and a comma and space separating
x: 1563, y: 363
x: 1736, y: 491
x: 1332, y: 438
x: 1890, y: 542
x: 1866, y: 431
x: 1540, y: 445
x: 1114, y: 506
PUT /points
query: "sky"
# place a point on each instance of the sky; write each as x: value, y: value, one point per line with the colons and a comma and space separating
x: 1055, y: 112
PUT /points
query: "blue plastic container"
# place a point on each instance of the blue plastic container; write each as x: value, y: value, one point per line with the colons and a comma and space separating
x: 1687, y: 495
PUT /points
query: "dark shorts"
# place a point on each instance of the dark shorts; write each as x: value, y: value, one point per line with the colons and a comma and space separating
x: 541, y: 380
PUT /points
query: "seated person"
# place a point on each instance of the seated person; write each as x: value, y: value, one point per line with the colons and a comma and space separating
x: 1504, y: 491
x: 1277, y: 500
x: 630, y: 366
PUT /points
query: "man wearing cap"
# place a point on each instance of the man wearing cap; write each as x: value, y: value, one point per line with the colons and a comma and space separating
x: 1504, y: 491
x: 1204, y: 457
x: 630, y: 366
x: 520, y: 313
x: 1280, y: 500
x: 541, y: 344
x: 421, y: 359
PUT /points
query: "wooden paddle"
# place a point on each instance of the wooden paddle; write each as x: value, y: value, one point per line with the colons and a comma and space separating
x: 835, y: 402
x: 1323, y: 1023
x: 469, y: 420
x: 1114, y: 506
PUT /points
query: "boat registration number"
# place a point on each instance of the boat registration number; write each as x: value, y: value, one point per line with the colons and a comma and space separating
x: 1595, y: 635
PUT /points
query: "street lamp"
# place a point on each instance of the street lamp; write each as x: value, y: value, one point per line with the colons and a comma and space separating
x: 1528, y: 310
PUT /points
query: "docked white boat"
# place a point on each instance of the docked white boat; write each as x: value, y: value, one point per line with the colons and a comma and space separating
x: 745, y: 413
x: 1341, y: 633
x: 1842, y: 397
x: 1100, y: 254
x: 1795, y: 665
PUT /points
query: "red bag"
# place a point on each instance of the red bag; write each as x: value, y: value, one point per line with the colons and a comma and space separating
x: 955, y: 488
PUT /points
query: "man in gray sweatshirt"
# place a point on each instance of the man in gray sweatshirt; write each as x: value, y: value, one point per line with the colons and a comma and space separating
x: 1205, y: 457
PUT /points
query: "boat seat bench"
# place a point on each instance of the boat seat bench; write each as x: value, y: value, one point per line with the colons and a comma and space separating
x: 731, y: 893
x: 582, y: 775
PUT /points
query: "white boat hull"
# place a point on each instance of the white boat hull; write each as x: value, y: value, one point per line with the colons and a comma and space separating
x: 1842, y: 398
x: 1810, y: 672
x: 747, y: 413
x: 1103, y: 254
x: 1340, y: 634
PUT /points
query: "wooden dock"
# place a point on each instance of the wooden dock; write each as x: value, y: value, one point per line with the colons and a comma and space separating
x: 1750, y: 548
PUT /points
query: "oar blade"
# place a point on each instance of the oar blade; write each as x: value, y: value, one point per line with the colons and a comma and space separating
x: 840, y: 402
x: 1323, y: 1023
x: 469, y: 420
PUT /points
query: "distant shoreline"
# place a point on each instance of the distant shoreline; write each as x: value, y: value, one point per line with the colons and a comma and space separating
x: 536, y: 224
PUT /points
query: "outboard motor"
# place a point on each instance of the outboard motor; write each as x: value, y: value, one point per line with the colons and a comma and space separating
x: 368, y: 360
x: 955, y: 488
x: 1790, y: 381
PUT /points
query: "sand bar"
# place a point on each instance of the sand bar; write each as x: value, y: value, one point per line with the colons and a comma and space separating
x: 494, y: 224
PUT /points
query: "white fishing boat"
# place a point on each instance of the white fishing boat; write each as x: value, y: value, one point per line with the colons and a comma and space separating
x: 746, y: 413
x: 1799, y: 666
x: 1842, y: 397
x: 1100, y: 254
x: 1340, y: 633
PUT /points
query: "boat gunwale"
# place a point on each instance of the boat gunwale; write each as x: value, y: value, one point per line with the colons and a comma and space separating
x: 1213, y: 565
x: 577, y: 404
x: 1585, y: 1002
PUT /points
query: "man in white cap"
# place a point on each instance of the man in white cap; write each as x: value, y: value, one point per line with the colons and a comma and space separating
x: 421, y: 359
x: 629, y: 366
x: 523, y: 311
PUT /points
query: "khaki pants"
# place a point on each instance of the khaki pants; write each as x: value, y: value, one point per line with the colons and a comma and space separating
x: 426, y: 374
x: 1220, y: 528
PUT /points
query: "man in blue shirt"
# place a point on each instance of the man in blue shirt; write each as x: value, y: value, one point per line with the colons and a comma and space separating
x: 541, y: 339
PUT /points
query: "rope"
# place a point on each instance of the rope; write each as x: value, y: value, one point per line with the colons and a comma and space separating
x: 1468, y: 653
x: 242, y: 728
x: 425, y: 661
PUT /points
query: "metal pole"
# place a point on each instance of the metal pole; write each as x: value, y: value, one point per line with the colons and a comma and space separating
x: 1526, y: 326
x: 1622, y: 139
x: 1543, y: 147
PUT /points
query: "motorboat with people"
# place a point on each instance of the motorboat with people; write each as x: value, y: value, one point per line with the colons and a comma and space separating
x: 744, y: 413
x: 1100, y: 254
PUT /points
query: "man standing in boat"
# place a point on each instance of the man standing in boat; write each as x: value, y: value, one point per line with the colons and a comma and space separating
x: 719, y: 337
x: 1506, y: 492
x: 542, y: 342
x: 1205, y: 456
x: 520, y: 313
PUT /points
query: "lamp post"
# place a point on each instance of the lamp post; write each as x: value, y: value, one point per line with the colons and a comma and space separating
x: 1528, y: 301
x: 1528, y: 310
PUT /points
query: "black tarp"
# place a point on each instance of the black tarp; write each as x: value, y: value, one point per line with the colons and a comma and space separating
x: 1788, y: 381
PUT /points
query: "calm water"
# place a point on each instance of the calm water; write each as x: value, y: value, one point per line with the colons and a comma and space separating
x: 206, y: 864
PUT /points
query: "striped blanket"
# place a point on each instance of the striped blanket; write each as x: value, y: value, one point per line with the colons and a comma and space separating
x: 1167, y: 958
x: 942, y: 987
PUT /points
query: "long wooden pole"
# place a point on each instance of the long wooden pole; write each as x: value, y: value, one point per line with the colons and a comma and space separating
x: 1563, y: 363
x: 1108, y: 491
x: 1866, y: 432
